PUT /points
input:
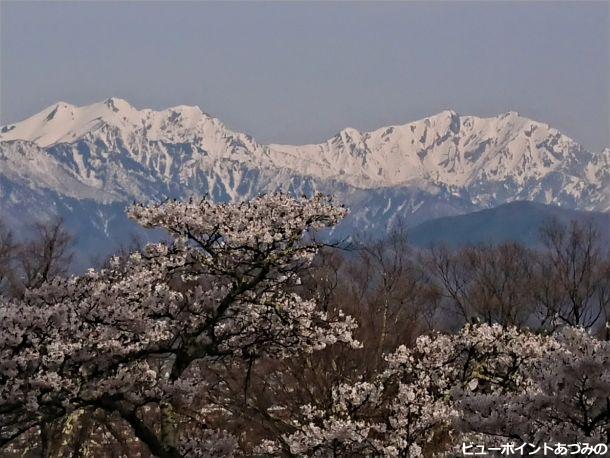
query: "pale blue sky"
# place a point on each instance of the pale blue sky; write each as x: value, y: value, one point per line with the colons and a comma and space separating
x: 299, y: 72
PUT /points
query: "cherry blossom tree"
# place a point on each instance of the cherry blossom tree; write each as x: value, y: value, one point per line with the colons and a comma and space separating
x: 560, y: 393
x: 166, y: 343
x: 138, y: 335
x: 488, y: 384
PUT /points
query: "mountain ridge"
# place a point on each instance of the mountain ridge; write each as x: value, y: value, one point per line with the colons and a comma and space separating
x: 444, y: 149
x: 100, y: 157
x: 518, y: 221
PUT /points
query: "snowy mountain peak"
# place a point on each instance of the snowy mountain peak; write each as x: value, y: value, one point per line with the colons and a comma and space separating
x: 66, y: 123
x: 86, y: 163
x: 446, y: 115
x: 117, y: 104
x: 445, y: 149
x: 509, y: 114
x: 349, y: 135
x: 507, y: 154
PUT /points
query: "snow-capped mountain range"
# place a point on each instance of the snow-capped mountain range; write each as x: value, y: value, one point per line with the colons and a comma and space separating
x: 86, y: 163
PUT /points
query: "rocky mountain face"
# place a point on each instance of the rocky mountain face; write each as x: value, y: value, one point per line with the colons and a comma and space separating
x: 87, y: 163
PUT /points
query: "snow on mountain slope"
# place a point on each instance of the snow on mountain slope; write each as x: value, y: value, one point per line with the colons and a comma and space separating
x: 445, y: 149
x: 598, y: 173
x: 102, y: 156
x: 26, y: 162
x: 65, y: 123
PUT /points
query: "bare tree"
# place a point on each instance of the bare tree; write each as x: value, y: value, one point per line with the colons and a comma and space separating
x: 46, y: 255
x: 573, y: 282
x: 7, y: 255
x: 397, y: 294
x: 485, y: 283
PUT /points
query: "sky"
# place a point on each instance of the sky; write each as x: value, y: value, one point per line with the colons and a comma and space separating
x: 298, y: 72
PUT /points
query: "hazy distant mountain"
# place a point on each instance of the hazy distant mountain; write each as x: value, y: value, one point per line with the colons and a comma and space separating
x: 516, y: 221
x: 87, y: 163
